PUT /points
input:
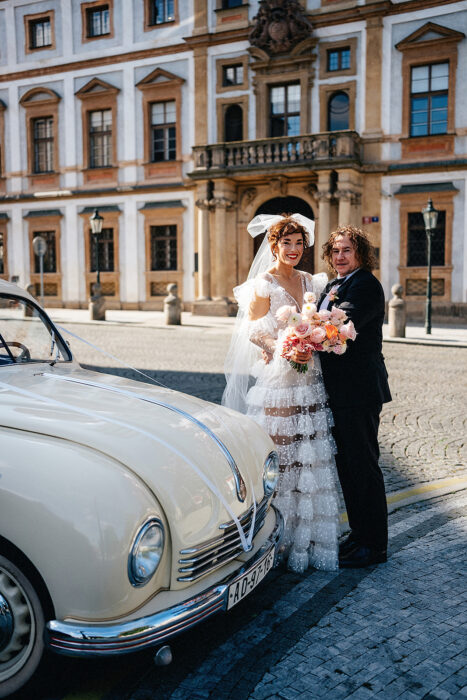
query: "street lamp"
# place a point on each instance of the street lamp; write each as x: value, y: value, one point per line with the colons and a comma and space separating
x: 96, y: 303
x: 430, y: 217
x: 96, y: 222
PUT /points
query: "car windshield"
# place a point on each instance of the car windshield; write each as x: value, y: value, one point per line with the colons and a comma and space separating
x: 26, y: 335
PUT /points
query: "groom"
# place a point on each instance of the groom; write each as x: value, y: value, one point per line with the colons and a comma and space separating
x: 357, y: 385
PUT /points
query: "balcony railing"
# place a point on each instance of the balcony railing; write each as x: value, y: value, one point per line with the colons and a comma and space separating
x: 330, y: 148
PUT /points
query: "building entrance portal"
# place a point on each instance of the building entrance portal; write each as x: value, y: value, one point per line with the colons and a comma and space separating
x: 288, y: 205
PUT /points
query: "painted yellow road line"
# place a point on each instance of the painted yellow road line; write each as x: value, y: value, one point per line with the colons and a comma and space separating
x: 422, y: 492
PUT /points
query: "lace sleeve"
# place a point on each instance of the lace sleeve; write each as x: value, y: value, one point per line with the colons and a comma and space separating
x: 263, y: 332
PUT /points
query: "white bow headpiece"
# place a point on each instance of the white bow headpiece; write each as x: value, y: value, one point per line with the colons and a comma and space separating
x: 263, y: 222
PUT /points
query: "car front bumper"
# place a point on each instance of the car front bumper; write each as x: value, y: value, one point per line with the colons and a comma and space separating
x: 80, y: 639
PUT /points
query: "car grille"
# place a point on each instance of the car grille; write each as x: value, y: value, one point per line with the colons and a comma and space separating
x: 204, y: 558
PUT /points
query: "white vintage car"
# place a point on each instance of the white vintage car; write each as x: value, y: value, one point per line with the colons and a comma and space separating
x: 128, y: 512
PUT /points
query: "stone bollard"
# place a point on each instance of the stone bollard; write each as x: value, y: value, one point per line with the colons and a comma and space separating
x: 396, y: 313
x: 97, y: 303
x: 172, y: 307
x: 28, y: 309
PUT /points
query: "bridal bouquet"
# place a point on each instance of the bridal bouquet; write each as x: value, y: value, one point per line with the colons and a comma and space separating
x: 313, y: 330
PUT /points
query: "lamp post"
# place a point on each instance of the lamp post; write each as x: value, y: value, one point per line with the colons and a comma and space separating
x: 96, y: 304
x: 430, y: 217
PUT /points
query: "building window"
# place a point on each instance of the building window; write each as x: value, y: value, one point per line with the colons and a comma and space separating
x: 163, y: 247
x: 232, y: 75
x: 40, y: 33
x: 100, y: 138
x: 161, y: 11
x: 338, y: 111
x: 98, y: 21
x: 338, y: 59
x: 226, y: 4
x: 284, y: 110
x: 2, y: 253
x: 233, y: 123
x: 50, y: 257
x: 43, y: 141
x: 416, y: 241
x: 163, y: 126
x: 105, y: 244
x: 429, y: 99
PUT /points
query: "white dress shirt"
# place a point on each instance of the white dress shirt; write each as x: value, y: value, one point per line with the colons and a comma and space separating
x: 327, y: 298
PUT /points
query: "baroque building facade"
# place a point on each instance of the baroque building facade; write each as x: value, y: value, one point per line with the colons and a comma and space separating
x: 179, y: 120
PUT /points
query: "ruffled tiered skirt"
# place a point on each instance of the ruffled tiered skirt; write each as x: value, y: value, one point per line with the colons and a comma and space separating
x: 292, y: 408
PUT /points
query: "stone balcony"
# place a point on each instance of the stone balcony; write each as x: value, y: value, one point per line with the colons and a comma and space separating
x: 326, y: 150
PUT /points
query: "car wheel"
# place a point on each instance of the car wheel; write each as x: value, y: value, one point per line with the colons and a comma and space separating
x: 21, y: 628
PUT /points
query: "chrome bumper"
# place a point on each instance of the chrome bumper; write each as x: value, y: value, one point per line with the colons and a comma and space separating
x: 74, y: 639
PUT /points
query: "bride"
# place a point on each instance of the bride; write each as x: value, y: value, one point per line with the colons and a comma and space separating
x: 291, y: 406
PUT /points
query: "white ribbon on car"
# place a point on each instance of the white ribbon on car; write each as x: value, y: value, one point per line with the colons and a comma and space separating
x: 246, y: 541
x: 164, y: 386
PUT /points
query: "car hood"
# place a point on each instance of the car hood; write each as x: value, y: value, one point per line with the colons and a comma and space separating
x: 177, y: 444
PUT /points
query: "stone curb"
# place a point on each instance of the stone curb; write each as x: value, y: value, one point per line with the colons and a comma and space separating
x: 421, y: 341
x: 419, y: 492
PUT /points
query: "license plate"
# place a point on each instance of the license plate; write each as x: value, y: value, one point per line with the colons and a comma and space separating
x: 241, y: 588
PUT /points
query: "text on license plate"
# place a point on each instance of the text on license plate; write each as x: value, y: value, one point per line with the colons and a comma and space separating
x: 241, y: 588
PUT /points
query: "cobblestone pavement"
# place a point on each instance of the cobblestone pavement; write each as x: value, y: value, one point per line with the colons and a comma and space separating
x: 394, y: 630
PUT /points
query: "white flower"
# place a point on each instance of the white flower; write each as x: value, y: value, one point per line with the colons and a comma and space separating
x: 294, y: 319
x: 309, y: 309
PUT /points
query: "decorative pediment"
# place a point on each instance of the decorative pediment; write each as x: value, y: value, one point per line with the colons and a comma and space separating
x: 96, y: 86
x: 429, y: 34
x: 39, y: 95
x: 279, y: 26
x: 160, y: 76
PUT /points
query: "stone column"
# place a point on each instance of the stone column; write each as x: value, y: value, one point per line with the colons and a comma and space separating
x: 204, y: 247
x: 225, y: 239
x: 345, y: 208
x: 200, y: 95
x: 324, y: 223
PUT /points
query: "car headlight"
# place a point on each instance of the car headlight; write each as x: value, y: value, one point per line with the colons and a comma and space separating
x: 146, y: 552
x: 270, y: 473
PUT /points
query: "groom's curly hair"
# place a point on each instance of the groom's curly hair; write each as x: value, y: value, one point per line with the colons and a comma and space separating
x: 286, y: 227
x: 365, y: 251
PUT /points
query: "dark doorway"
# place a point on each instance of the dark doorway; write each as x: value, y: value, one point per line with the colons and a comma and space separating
x: 288, y: 205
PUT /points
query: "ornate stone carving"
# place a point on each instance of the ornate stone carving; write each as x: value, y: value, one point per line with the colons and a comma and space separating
x: 248, y: 196
x: 279, y: 26
x: 223, y: 203
x: 278, y: 185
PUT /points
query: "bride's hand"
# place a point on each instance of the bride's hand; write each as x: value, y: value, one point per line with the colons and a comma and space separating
x: 301, y: 357
x: 267, y: 357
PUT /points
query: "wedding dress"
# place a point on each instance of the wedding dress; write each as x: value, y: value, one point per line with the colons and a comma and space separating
x: 292, y: 408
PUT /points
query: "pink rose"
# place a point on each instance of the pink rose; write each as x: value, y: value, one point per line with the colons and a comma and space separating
x: 324, y: 314
x: 309, y: 297
x: 339, y: 349
x: 317, y: 334
x: 302, y: 330
x: 284, y: 312
x: 338, y: 314
x: 351, y: 332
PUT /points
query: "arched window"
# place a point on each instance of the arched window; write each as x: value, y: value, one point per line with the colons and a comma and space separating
x: 233, y: 123
x: 338, y: 112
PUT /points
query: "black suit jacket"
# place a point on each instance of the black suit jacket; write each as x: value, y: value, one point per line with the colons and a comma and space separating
x: 358, y: 377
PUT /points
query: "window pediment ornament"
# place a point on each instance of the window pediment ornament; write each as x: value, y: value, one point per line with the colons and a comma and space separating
x: 279, y: 26
x: 159, y: 76
x: 96, y: 86
x: 39, y: 95
x: 429, y: 34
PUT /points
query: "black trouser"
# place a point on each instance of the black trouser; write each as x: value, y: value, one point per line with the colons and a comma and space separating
x: 356, y: 435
